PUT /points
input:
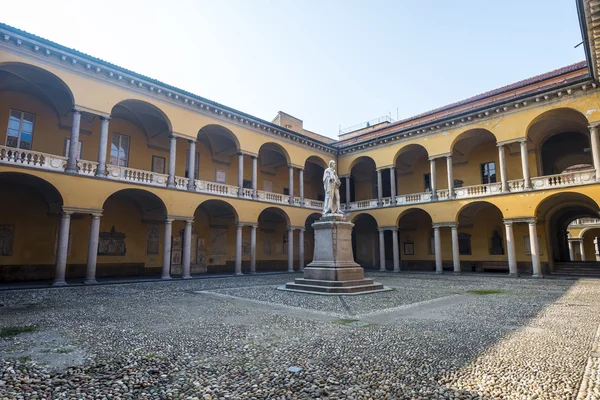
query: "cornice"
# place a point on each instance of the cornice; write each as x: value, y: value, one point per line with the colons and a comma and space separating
x: 100, y: 70
x: 484, y: 114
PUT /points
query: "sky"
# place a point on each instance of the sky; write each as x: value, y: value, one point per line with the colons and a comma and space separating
x: 330, y: 63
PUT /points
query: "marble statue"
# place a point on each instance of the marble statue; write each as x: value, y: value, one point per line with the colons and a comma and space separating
x: 331, y: 183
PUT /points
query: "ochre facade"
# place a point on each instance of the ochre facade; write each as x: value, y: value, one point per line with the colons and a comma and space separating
x: 457, y: 189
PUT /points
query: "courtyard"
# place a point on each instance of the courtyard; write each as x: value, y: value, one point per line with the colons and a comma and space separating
x: 431, y: 337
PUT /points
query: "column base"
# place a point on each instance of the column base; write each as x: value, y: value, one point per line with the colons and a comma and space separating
x: 171, y: 185
x: 252, y: 272
x: 535, y: 276
x: 166, y: 278
x: 59, y: 283
x: 382, y: 269
x: 396, y: 270
x: 439, y: 272
x: 101, y: 175
x: 191, y: 189
x: 513, y: 275
x: 72, y: 171
x: 290, y: 270
x: 92, y: 281
x: 456, y: 273
x: 239, y: 273
x: 187, y: 277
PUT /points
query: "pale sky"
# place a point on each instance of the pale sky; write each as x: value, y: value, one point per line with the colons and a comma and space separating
x: 327, y: 62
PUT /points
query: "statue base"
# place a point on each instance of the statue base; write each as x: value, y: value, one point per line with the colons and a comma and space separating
x: 333, y: 270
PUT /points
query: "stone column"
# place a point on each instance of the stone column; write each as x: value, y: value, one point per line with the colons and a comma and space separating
x: 74, y: 143
x: 301, y: 185
x: 381, y: 250
x: 187, y: 249
x: 301, y: 249
x: 291, y: 184
x: 582, y: 250
x: 379, y: 188
x: 393, y: 184
x: 525, y: 164
x: 92, y: 257
x: 396, y: 251
x: 290, y: 245
x: 450, y: 177
x: 240, y: 174
x: 510, y: 249
x: 438, y: 250
x: 254, y: 177
x: 62, y: 249
x: 253, y: 249
x: 455, y: 249
x: 348, y: 192
x: 166, y: 261
x: 503, y: 173
x: 192, y: 166
x: 101, y: 170
x: 433, y: 179
x: 571, y: 251
x: 238, y: 250
x: 533, y: 244
x: 172, y: 160
x: 594, y: 144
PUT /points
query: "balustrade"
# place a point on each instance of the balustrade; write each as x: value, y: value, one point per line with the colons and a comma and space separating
x: 216, y: 188
x: 478, y: 190
x: 34, y: 159
x: 87, y: 167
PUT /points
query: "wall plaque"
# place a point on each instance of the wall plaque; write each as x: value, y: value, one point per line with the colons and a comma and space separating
x: 112, y: 243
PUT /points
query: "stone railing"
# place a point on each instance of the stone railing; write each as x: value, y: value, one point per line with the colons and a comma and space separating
x: 87, y: 167
x: 181, y: 182
x: 136, y: 175
x: 562, y: 180
x: 33, y: 159
x: 517, y: 185
x: 585, y: 221
x: 216, y: 188
x: 273, y: 197
x: 443, y: 194
x: 413, y: 198
x: 361, y: 205
x: 316, y: 204
x: 247, y: 193
x: 477, y: 190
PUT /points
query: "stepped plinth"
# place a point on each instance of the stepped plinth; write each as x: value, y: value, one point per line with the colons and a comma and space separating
x: 333, y: 269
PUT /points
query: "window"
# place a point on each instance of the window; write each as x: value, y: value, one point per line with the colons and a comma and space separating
x: 20, y: 130
x: 247, y: 184
x: 488, y: 173
x: 68, y: 143
x: 427, y: 182
x: 196, y: 163
x: 464, y: 243
x: 119, y: 150
x: 286, y: 191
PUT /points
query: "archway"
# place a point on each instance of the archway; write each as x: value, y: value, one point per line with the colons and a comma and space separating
x: 416, y: 240
x: 365, y: 241
x: 364, y: 176
x: 29, y: 221
x: 309, y: 237
x: 481, y: 238
x: 131, y: 234
x: 313, y: 179
x: 271, y: 246
x: 37, y: 104
x: 558, y: 212
x: 412, y: 170
x: 213, y: 239
x: 561, y: 140
x: 136, y: 123
x: 216, y: 157
x: 274, y: 161
x: 475, y: 158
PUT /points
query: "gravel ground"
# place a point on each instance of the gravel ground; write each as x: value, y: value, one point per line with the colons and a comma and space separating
x: 432, y: 337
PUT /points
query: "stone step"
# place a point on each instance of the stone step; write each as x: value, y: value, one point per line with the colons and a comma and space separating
x: 316, y: 282
x: 333, y: 289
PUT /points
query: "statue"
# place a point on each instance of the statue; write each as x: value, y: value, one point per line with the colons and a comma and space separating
x: 331, y: 183
x: 496, y: 241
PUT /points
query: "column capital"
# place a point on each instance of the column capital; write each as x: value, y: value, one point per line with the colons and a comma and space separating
x: 179, y: 217
x: 190, y: 141
x: 594, y: 125
x: 575, y: 239
x: 250, y: 224
x: 96, y: 215
x: 445, y: 155
x: 388, y: 228
x: 105, y: 117
x: 189, y: 221
x: 75, y: 110
x: 520, y: 220
x: 384, y: 167
x: 449, y: 224
x: 168, y: 221
x: 82, y: 210
x: 294, y: 227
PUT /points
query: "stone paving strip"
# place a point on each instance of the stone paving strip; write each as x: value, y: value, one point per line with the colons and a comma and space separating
x: 448, y: 337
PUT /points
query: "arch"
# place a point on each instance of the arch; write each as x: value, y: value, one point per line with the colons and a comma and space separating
x: 148, y: 117
x: 362, y: 216
x: 49, y: 193
x: 469, y: 210
x: 38, y: 82
x: 587, y: 229
x: 466, y: 142
x: 272, y: 213
x: 559, y: 200
x: 410, y: 155
x: 473, y: 133
x: 365, y: 240
x: 272, y: 156
x: 364, y: 179
x: 359, y: 160
x: 219, y: 209
x: 222, y: 142
x: 150, y: 205
x: 545, y: 124
x: 311, y: 218
x: 411, y: 211
x: 320, y: 161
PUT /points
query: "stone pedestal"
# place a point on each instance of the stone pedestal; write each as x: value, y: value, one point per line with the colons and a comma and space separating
x: 333, y: 270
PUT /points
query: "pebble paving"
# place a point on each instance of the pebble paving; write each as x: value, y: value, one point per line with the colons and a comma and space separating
x: 431, y: 337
